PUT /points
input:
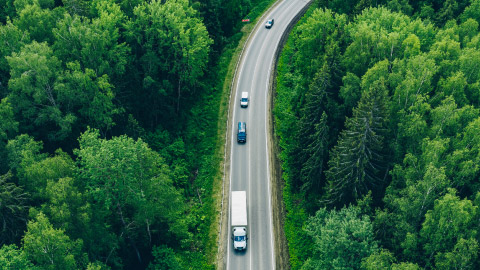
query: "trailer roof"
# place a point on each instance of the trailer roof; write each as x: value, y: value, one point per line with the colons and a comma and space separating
x: 239, y: 208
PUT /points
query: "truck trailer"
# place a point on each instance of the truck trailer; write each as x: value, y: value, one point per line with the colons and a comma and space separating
x: 239, y: 225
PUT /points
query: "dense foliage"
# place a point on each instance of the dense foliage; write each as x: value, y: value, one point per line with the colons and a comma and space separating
x: 377, y: 111
x: 108, y: 130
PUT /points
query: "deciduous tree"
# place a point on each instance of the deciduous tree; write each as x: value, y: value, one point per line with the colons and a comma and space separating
x: 33, y: 73
x: 37, y: 18
x: 94, y: 43
x: 50, y: 248
x: 22, y: 152
x: 171, y: 46
x: 37, y: 174
x: 131, y: 184
x: 11, y: 40
x: 342, y: 239
x: 451, y: 221
x: 12, y: 257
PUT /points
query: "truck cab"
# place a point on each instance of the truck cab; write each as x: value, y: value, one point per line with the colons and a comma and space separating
x: 242, y: 132
x: 240, y: 238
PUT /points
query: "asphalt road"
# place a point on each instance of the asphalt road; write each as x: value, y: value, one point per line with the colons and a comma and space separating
x: 249, y: 162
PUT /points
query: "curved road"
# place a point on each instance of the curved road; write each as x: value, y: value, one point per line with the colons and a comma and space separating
x: 249, y: 166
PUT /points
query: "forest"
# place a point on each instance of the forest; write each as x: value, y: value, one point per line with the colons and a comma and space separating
x: 109, y: 115
x: 377, y: 113
x: 109, y: 132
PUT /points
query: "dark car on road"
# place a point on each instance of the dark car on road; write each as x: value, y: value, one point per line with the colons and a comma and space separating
x: 242, y: 132
x: 269, y: 23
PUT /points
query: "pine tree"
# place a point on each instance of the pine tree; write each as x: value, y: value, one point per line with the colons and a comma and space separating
x: 13, y: 210
x: 317, y: 151
x: 357, y: 162
x: 311, y: 117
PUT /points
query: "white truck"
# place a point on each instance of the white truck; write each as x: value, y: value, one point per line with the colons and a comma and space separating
x: 239, y: 224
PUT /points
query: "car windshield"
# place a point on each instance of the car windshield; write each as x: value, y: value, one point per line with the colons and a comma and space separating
x: 239, y: 238
x: 244, y: 99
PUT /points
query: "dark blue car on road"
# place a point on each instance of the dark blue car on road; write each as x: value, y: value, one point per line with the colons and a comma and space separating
x: 242, y: 132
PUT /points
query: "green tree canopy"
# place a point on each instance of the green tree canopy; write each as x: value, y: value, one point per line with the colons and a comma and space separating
x: 131, y: 183
x: 13, y: 258
x: 357, y: 162
x: 450, y: 229
x: 171, y: 46
x: 425, y: 56
x: 11, y: 40
x: 164, y: 259
x: 67, y: 208
x: 8, y: 128
x: 13, y: 210
x: 380, y: 260
x: 50, y: 248
x: 51, y: 102
x: 33, y: 73
x: 37, y: 174
x: 8, y: 124
x: 94, y: 43
x: 22, y: 152
x: 37, y: 18
x: 342, y: 239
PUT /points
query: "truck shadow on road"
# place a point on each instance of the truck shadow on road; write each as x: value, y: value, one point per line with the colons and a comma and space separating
x: 241, y: 253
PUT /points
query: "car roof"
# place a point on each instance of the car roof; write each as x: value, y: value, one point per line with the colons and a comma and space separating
x: 241, y: 125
